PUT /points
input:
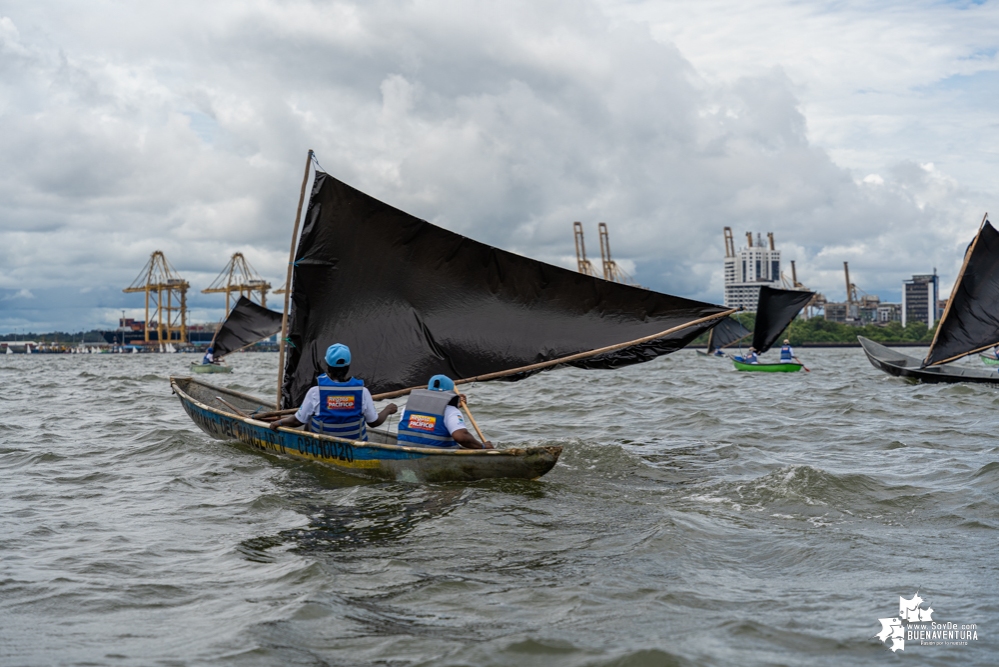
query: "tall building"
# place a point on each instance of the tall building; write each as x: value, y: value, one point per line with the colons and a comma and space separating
x: 919, y: 299
x: 749, y: 269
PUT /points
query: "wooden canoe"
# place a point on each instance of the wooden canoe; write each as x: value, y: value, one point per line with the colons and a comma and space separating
x: 902, y: 365
x: 380, y: 458
x: 766, y: 368
x: 209, y: 368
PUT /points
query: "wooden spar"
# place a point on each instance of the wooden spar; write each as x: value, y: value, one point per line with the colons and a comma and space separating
x: 950, y: 301
x: 964, y: 354
x: 464, y: 406
x: 568, y: 359
x: 737, y: 340
x: 287, y: 292
x: 711, y: 334
x: 231, y: 406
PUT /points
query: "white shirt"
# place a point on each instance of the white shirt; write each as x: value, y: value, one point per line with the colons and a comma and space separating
x: 310, y: 406
x: 453, y: 419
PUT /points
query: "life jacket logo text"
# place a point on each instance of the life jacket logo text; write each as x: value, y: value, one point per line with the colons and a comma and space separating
x: 340, y: 402
x: 422, y: 422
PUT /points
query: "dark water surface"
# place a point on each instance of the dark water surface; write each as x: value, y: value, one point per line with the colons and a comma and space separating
x: 698, y: 516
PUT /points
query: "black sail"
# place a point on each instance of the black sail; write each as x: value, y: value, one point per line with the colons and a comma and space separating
x: 971, y: 322
x: 774, y: 311
x: 728, y: 331
x: 411, y: 300
x: 245, y: 325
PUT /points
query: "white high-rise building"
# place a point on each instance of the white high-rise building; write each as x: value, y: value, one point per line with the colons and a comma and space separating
x: 920, y: 297
x: 749, y: 269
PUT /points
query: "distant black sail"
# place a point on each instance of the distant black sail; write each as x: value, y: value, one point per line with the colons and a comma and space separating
x: 246, y: 324
x: 728, y: 331
x: 774, y: 311
x: 971, y: 322
x: 412, y: 300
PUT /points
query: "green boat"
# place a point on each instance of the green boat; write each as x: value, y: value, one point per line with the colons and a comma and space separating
x: 209, y: 368
x: 989, y: 360
x: 766, y: 368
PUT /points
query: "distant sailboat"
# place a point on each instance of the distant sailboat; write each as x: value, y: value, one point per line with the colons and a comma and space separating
x: 774, y: 311
x: 970, y: 322
x: 729, y: 332
x: 9, y: 351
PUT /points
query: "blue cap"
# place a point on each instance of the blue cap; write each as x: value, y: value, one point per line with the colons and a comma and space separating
x: 440, y: 383
x: 338, y: 355
x: 210, y: 349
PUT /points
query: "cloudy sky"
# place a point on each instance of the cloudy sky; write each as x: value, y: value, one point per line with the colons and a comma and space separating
x: 859, y: 131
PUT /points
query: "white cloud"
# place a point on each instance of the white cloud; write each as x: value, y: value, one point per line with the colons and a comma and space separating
x: 183, y: 127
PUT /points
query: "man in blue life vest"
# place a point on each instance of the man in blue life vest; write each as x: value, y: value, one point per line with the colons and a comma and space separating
x: 340, y: 405
x: 787, y: 354
x: 432, y: 418
x: 209, y: 357
x: 751, y: 357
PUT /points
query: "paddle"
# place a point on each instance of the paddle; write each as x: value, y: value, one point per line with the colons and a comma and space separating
x: 803, y: 366
x: 468, y: 413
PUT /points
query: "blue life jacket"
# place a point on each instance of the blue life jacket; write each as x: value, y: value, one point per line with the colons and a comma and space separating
x: 751, y: 358
x: 785, y: 354
x: 341, y: 411
x: 423, y: 421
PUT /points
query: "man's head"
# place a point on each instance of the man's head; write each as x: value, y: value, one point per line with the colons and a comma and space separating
x: 337, y: 361
x: 440, y: 383
x: 787, y: 342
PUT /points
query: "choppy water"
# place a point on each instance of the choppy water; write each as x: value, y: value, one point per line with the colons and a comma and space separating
x: 697, y: 516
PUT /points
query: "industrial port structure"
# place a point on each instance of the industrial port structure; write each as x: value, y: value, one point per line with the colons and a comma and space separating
x: 166, y: 299
x: 166, y: 320
x: 610, y: 269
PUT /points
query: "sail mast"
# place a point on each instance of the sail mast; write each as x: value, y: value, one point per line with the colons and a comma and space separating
x: 287, y: 293
x: 950, y: 301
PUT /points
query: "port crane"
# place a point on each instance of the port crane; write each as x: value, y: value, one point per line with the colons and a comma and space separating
x: 583, y: 265
x: 610, y: 269
x: 239, y: 278
x: 166, y: 299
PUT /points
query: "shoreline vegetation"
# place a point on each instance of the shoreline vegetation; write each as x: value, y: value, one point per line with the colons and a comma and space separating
x: 800, y: 332
x: 820, y: 332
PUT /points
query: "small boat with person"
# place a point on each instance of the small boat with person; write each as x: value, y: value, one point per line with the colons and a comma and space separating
x: 728, y: 332
x: 412, y: 301
x: 246, y: 324
x: 226, y: 414
x: 774, y: 311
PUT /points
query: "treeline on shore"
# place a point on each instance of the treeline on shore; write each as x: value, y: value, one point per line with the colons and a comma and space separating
x: 819, y: 330
x: 92, y: 336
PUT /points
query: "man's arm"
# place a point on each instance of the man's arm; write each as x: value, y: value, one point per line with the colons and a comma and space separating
x: 290, y: 421
x: 468, y: 441
x: 389, y: 409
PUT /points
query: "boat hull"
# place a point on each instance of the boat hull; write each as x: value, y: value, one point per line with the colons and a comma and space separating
x: 989, y: 360
x: 210, y: 368
x: 902, y: 365
x: 766, y: 368
x: 381, y: 458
